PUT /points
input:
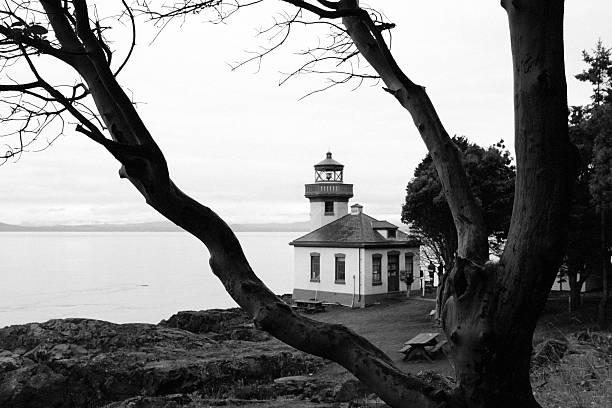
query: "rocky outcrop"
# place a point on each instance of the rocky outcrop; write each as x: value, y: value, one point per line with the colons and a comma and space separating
x: 219, y: 324
x: 300, y: 390
x: 90, y: 363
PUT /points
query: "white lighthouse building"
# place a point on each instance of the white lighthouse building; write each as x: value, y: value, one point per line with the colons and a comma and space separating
x: 349, y: 258
x: 328, y: 195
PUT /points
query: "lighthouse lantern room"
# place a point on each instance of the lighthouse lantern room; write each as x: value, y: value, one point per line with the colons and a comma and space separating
x: 328, y: 195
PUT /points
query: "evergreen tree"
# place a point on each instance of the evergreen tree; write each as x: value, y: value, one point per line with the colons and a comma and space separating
x: 599, y: 73
x: 591, y: 132
x: 491, y: 177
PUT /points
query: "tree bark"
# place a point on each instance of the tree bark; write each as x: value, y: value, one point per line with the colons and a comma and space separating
x: 602, y: 315
x: 144, y: 165
x: 575, y: 286
x: 520, y: 283
x: 490, y: 310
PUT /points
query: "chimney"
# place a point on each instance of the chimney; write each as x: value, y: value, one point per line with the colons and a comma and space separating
x: 356, y: 209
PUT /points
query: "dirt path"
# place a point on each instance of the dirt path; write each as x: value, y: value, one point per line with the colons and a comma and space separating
x: 387, y: 325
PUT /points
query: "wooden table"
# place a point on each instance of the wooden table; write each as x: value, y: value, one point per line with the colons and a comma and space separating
x: 425, y: 345
x: 309, y: 306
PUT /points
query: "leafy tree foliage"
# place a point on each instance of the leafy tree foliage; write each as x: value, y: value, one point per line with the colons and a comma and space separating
x: 600, y: 181
x: 591, y: 132
x: 599, y: 127
x: 491, y: 176
x: 599, y: 73
x: 582, y: 256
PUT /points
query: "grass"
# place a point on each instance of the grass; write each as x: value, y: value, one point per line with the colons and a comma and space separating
x: 581, y: 379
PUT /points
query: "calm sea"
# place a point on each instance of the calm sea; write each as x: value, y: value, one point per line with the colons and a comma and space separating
x: 124, y: 276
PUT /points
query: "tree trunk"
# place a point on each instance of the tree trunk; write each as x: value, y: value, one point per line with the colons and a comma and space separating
x: 575, y: 286
x: 489, y: 310
x: 144, y: 165
x: 602, y: 318
x: 492, y: 310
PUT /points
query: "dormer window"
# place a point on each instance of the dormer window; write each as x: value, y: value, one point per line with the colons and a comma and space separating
x: 386, y: 229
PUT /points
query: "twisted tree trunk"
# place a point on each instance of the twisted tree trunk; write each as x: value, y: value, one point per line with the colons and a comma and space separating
x: 144, y: 165
x: 489, y: 310
x: 491, y: 321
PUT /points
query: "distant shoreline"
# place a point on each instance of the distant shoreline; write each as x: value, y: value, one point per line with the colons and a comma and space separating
x: 153, y: 227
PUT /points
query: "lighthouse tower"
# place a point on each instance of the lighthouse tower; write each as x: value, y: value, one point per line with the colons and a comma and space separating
x: 328, y: 195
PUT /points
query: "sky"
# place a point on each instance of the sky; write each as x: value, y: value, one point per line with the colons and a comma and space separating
x: 245, y: 146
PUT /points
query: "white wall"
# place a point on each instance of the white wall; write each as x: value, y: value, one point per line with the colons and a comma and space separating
x: 317, y: 213
x: 301, y: 279
x: 369, y: 289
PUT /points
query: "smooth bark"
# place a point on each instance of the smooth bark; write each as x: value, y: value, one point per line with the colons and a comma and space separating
x: 489, y: 310
x: 144, y: 165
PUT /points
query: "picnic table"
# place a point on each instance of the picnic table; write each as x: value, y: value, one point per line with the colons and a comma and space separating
x: 309, y: 306
x: 425, y: 345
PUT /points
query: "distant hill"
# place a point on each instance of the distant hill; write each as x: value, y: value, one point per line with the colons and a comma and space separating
x: 10, y: 228
x: 161, y: 226
x: 272, y: 227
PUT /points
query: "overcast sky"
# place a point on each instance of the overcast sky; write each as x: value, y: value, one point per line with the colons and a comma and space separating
x: 244, y: 146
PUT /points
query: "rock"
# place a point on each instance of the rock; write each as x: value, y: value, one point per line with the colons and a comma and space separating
x: 206, y: 321
x: 549, y: 351
x: 218, y: 324
x: 305, y: 387
x: 89, y: 363
x: 441, y: 382
x: 9, y: 360
x: 598, y: 339
x: 294, y: 379
x: 350, y: 390
x: 167, y: 401
x: 249, y: 334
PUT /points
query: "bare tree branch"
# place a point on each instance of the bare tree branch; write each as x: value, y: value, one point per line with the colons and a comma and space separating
x: 144, y: 165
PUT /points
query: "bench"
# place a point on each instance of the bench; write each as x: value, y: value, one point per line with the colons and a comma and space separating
x: 438, y: 348
x: 424, y: 345
x: 309, y: 306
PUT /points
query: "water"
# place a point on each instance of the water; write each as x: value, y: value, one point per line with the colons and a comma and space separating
x: 124, y: 276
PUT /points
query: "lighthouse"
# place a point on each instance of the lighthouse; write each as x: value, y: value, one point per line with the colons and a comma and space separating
x: 349, y: 258
x: 328, y: 194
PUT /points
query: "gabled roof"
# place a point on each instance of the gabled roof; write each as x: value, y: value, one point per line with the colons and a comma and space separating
x: 354, y: 230
x: 383, y: 225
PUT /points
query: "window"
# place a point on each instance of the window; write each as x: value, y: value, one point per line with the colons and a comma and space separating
x: 391, y: 233
x: 340, y: 272
x: 376, y: 269
x: 315, y: 267
x: 329, y: 208
x: 409, y: 268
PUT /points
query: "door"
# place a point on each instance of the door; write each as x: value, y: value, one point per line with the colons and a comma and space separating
x: 392, y: 272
